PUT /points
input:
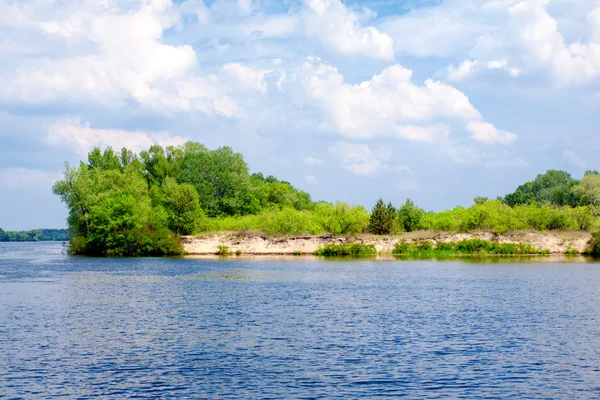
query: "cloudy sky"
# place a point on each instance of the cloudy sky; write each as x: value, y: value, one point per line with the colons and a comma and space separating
x: 435, y: 100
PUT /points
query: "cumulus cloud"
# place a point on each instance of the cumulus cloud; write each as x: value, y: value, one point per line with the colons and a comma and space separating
x: 391, y: 105
x: 338, y: 27
x: 486, y: 133
x: 84, y: 138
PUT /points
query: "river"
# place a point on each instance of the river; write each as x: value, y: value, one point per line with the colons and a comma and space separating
x: 302, y: 327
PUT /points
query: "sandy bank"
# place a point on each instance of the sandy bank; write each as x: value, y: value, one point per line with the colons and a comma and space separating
x: 556, y: 242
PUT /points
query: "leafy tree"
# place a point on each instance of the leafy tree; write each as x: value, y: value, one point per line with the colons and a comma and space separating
x: 588, y: 190
x: 411, y: 216
x: 182, y: 205
x: 222, y: 181
x: 554, y: 187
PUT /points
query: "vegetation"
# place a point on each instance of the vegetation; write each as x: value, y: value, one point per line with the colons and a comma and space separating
x: 465, y: 247
x: 594, y: 245
x: 123, y: 204
x: 36, y: 235
x: 347, y: 249
x: 223, y: 251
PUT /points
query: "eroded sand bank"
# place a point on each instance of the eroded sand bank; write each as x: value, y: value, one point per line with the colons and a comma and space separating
x: 556, y: 242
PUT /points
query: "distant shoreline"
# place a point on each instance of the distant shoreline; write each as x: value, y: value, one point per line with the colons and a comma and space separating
x: 557, y: 242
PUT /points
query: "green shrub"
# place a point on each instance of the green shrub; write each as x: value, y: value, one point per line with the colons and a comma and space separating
x: 593, y: 247
x: 571, y: 252
x: 223, y: 251
x: 465, y: 247
x: 346, y: 249
x: 238, y: 252
x: 297, y: 253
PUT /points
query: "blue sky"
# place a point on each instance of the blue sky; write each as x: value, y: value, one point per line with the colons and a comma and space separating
x: 440, y: 101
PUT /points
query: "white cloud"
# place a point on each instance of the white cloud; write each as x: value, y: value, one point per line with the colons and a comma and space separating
x: 126, y: 59
x: 357, y: 158
x: 486, y: 133
x: 390, y: 105
x: 311, y: 179
x: 243, y: 77
x: 331, y: 22
x: 83, y: 138
x: 27, y: 178
x: 312, y: 161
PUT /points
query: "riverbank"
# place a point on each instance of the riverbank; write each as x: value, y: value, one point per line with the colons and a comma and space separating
x: 557, y: 242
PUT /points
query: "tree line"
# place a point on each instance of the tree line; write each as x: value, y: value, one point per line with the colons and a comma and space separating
x: 36, y: 235
x: 127, y: 204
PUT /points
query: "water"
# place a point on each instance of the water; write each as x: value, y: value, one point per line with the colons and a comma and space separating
x: 296, y: 328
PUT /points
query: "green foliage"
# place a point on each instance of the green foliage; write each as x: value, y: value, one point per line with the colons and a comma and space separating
x: 411, y: 216
x: 346, y: 249
x: 124, y: 205
x: 571, y: 252
x: 182, y: 205
x: 588, y: 190
x: 499, y: 217
x: 465, y: 247
x: 223, y: 251
x: 297, y: 253
x: 36, y: 235
x: 238, y: 252
x: 553, y: 187
x: 593, y: 247
x: 341, y: 218
x: 383, y: 218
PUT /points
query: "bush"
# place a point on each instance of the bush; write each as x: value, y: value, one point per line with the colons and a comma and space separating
x: 346, y: 249
x: 223, y: 251
x: 465, y: 247
x: 593, y: 247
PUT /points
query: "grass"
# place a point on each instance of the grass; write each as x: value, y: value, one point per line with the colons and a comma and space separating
x: 346, y: 249
x: 465, y: 247
x: 223, y: 251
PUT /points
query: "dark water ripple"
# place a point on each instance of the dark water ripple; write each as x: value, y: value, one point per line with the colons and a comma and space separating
x: 83, y: 328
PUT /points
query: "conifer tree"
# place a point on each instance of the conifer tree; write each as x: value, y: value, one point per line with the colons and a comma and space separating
x: 382, y: 218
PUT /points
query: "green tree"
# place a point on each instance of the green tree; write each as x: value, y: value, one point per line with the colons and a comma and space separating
x: 588, y: 190
x: 553, y: 186
x: 383, y: 218
x: 411, y: 216
x: 182, y: 205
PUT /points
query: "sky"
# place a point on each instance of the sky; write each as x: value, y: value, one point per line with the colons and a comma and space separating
x: 439, y: 101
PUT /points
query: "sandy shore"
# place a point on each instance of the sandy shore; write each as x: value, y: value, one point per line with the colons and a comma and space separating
x: 255, y: 244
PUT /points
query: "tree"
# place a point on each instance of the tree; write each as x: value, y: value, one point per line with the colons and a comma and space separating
x: 411, y: 216
x: 553, y: 186
x: 588, y: 190
x: 182, y: 206
x: 382, y: 218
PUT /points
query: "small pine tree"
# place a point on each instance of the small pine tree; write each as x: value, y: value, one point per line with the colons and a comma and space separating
x: 382, y: 218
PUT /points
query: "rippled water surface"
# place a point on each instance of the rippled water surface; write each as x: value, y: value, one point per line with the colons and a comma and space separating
x: 296, y: 328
